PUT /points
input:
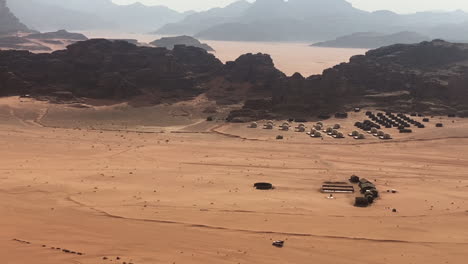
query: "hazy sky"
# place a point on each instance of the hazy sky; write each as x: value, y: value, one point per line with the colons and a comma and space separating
x: 400, y: 6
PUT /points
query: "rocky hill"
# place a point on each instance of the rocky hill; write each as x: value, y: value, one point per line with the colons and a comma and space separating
x: 40, y: 42
x: 427, y: 77
x: 373, y: 40
x: 9, y: 23
x: 170, y: 42
x: 50, y: 15
x: 310, y: 20
x: 101, y: 68
x: 430, y: 77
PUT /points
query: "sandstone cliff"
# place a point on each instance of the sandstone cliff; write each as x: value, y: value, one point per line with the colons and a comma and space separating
x: 427, y: 77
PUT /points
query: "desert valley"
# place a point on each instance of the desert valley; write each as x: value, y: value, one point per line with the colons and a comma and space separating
x: 182, y: 191
x: 157, y: 147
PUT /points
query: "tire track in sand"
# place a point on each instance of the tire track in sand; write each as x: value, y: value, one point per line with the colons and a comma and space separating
x: 258, y: 232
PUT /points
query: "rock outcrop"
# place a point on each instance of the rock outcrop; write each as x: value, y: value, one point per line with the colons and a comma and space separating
x: 311, y: 20
x: 60, y: 34
x: 430, y: 76
x: 170, y: 42
x: 20, y: 43
x: 427, y: 77
x: 373, y: 40
x: 9, y: 23
x: 40, y: 42
x: 100, y: 68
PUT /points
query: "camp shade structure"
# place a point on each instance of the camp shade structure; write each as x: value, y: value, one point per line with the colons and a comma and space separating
x: 263, y: 186
x: 354, y: 134
x: 317, y: 134
x: 369, y: 196
x: 253, y: 125
x: 341, y: 115
x: 268, y: 126
x: 339, y: 135
x: 406, y: 131
x: 360, y: 136
x: 439, y: 125
x: 361, y: 202
x: 337, y: 188
x: 354, y: 179
x: 337, y: 126
x: 300, y: 129
x: 379, y: 134
x: 386, y: 137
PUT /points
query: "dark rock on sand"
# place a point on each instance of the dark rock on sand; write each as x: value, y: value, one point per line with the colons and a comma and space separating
x: 108, y: 69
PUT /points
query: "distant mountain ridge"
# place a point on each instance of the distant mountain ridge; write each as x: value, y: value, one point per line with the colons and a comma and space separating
x: 92, y: 14
x: 307, y: 20
x: 8, y: 21
x: 372, y: 40
x: 197, y: 22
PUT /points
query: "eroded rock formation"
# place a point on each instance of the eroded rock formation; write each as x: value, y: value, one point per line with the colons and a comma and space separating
x: 430, y: 77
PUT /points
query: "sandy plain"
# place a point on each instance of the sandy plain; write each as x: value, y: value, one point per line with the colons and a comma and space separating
x: 97, y: 181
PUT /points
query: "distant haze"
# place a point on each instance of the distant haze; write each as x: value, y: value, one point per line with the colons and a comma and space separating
x: 400, y: 6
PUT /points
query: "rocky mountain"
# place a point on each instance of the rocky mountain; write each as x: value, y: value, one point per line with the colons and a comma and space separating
x: 305, y: 20
x: 372, y: 40
x: 170, y: 42
x: 9, y: 23
x: 429, y: 77
x: 197, y: 22
x: 46, y: 15
x: 101, y: 68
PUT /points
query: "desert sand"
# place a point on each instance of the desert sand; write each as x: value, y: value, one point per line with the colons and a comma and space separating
x: 110, y: 189
x: 289, y: 57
